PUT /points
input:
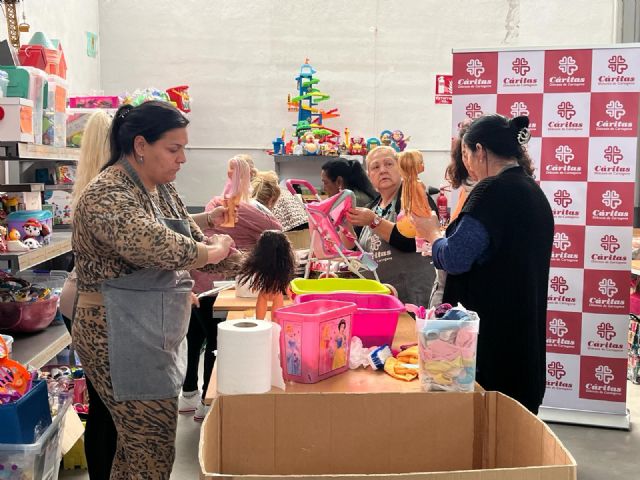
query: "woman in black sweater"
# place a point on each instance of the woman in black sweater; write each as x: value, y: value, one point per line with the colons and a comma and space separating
x: 497, y: 255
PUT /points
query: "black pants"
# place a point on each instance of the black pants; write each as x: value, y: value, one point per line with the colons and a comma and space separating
x: 100, y: 435
x: 203, y: 326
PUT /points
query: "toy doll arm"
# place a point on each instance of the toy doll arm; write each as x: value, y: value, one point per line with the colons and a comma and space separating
x: 261, y: 305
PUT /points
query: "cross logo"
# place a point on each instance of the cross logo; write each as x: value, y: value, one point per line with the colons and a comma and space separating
x: 611, y: 199
x: 558, y: 327
x: 566, y: 110
x: 607, y: 287
x: 606, y: 331
x: 375, y: 243
x: 474, y: 110
x: 610, y: 243
x: 562, y: 198
x: 564, y: 154
x: 559, y: 284
x: 556, y: 370
x: 613, y: 154
x: 561, y: 241
x: 568, y: 65
x: 475, y: 68
x: 618, y: 64
x: 615, y: 109
x: 519, y: 108
x: 520, y: 66
x: 604, y: 374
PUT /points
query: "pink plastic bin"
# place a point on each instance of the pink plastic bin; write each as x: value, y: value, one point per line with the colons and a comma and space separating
x: 28, y: 316
x: 315, y: 339
x: 375, y: 319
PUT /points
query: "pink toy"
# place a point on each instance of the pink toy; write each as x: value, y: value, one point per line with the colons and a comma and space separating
x: 315, y: 339
x: 328, y: 225
x: 237, y: 189
x: 375, y: 319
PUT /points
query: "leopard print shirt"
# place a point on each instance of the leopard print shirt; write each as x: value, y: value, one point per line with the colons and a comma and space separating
x: 115, y: 232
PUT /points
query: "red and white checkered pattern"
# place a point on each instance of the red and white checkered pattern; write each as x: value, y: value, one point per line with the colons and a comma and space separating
x: 583, y: 106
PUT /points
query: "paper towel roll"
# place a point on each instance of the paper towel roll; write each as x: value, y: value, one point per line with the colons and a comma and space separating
x: 245, y: 354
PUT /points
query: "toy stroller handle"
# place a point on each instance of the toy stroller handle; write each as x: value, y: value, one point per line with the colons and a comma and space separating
x: 294, y: 181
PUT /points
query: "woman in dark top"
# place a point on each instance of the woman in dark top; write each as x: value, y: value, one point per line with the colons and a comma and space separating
x: 339, y: 174
x: 497, y: 254
x: 398, y: 265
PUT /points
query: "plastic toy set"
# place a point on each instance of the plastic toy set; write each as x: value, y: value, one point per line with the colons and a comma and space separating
x: 313, y: 137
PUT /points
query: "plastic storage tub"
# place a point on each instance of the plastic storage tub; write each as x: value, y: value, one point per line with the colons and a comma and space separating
x: 315, y: 339
x: 4, y: 83
x: 23, y: 419
x: 375, y: 319
x: 27, y: 317
x: 300, y: 286
x: 39, y: 460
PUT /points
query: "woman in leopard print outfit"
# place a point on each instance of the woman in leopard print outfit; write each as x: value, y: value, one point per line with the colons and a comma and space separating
x: 115, y: 233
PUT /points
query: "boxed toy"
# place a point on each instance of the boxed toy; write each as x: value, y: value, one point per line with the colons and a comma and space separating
x: 93, y: 101
x: 60, y: 203
x: 17, y: 123
x: 431, y: 436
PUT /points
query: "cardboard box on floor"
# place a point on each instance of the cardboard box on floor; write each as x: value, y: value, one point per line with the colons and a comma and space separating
x: 443, y: 436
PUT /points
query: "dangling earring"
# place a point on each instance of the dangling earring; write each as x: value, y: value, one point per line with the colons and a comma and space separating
x: 140, y: 160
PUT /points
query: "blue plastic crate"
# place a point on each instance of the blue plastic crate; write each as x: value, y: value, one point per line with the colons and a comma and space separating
x: 22, y: 420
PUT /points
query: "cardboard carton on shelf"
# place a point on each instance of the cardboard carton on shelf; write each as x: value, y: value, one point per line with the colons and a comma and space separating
x: 430, y: 436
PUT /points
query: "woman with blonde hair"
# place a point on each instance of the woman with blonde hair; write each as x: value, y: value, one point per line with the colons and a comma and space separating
x: 265, y: 189
x: 100, y: 436
x: 94, y: 152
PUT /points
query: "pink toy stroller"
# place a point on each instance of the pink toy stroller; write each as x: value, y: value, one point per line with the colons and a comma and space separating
x: 327, y: 220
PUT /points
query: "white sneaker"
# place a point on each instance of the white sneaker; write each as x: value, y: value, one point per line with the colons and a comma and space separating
x: 201, y: 412
x: 188, y: 401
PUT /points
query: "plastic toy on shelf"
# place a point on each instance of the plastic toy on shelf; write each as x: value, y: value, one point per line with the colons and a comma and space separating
x: 311, y: 118
x: 180, y: 97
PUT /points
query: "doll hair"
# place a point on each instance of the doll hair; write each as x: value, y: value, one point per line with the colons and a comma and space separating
x: 240, y: 182
x: 265, y: 188
x: 271, y: 265
x: 94, y: 152
x: 456, y: 173
x: 413, y: 199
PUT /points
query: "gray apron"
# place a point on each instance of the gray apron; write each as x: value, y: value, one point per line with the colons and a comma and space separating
x: 410, y: 273
x: 148, y: 315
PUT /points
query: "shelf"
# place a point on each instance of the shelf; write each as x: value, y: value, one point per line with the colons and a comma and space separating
x: 22, y: 187
x: 31, y: 152
x: 60, y: 244
x: 37, y: 349
x: 304, y: 158
x: 61, y: 186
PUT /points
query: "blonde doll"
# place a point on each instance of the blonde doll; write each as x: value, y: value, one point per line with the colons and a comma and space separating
x: 414, y: 194
x: 237, y: 189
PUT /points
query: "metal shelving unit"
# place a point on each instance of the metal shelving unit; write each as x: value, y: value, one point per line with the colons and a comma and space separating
x: 17, y: 158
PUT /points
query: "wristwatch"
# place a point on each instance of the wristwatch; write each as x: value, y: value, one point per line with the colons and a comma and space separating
x: 375, y: 222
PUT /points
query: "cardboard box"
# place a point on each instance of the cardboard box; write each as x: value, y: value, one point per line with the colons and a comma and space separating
x: 443, y: 436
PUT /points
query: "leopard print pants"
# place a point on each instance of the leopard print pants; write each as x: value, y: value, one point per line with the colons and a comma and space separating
x: 146, y: 429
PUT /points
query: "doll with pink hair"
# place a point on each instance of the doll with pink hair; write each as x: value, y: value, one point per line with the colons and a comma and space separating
x: 237, y: 188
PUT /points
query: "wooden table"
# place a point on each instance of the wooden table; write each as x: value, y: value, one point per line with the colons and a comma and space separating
x: 227, y: 300
x: 352, y: 381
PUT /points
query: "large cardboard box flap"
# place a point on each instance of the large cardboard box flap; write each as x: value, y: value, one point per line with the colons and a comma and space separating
x: 481, y: 435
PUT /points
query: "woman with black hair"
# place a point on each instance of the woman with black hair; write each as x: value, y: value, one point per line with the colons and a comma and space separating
x: 497, y: 255
x: 339, y: 174
x: 133, y: 242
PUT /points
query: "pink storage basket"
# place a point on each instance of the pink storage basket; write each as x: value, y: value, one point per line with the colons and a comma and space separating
x: 315, y: 339
x: 28, y: 316
x: 375, y: 319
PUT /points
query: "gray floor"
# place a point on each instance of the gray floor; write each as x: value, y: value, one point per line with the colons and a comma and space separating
x: 600, y: 453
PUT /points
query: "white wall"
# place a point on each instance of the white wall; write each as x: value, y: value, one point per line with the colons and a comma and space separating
x: 376, y: 58
x: 67, y: 20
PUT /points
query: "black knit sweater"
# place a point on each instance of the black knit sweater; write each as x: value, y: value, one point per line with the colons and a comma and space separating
x: 509, y: 290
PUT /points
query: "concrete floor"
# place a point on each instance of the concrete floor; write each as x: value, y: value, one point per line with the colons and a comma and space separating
x: 600, y: 453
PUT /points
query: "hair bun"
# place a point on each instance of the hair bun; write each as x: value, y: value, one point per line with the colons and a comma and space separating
x: 518, y: 123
